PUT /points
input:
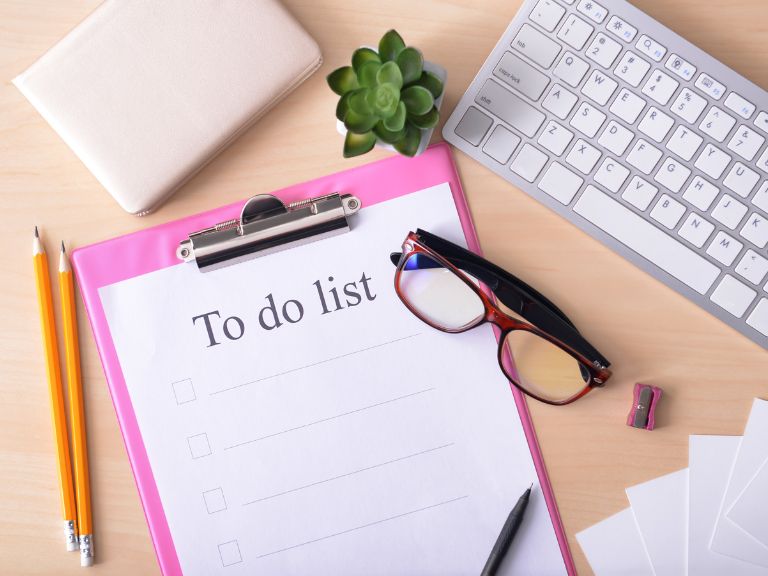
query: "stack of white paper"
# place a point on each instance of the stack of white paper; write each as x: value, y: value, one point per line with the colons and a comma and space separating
x: 707, y: 520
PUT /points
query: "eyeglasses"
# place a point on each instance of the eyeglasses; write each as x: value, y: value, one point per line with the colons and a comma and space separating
x: 540, y: 350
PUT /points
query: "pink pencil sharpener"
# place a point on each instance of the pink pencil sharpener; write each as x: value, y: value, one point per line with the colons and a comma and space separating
x: 644, y: 403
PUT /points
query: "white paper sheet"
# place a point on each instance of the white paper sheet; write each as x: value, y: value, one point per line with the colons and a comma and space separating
x: 750, y: 512
x: 614, y: 547
x: 660, y: 507
x: 710, y: 459
x: 729, y: 538
x: 357, y: 441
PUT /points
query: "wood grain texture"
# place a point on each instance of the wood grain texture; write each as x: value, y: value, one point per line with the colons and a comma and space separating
x: 708, y: 372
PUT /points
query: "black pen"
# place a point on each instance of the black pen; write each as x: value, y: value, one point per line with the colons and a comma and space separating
x: 506, y: 535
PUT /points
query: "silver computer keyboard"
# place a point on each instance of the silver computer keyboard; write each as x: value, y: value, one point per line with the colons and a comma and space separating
x: 639, y: 138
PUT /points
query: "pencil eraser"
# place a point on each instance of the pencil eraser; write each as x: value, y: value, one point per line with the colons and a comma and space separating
x: 86, y: 561
x: 642, y: 414
x: 72, y: 546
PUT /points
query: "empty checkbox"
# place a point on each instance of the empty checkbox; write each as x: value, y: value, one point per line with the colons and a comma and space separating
x: 184, y: 391
x: 230, y: 553
x: 199, y: 445
x: 214, y: 500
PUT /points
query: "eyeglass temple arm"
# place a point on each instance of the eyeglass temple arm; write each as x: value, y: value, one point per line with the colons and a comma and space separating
x: 515, y: 294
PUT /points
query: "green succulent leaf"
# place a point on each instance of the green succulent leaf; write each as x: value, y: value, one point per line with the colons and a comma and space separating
x: 390, y: 45
x: 362, y: 56
x: 343, y: 106
x: 357, y: 144
x: 409, y: 145
x: 358, y: 101
x: 411, y: 63
x: 431, y: 82
x: 343, y: 80
x: 389, y: 73
x: 418, y: 100
x: 359, y: 123
x: 426, y: 121
x: 388, y: 136
x: 384, y: 100
x: 366, y: 76
x: 396, y: 122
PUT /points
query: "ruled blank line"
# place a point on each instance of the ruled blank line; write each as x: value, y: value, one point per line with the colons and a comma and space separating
x: 364, y: 526
x: 314, y: 364
x: 350, y: 473
x: 330, y: 418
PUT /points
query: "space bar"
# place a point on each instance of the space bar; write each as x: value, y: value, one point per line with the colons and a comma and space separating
x: 647, y: 240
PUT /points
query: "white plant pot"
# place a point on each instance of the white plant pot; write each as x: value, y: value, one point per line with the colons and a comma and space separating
x: 426, y: 135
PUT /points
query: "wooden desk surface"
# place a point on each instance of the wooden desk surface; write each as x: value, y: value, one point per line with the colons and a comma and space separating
x: 709, y: 373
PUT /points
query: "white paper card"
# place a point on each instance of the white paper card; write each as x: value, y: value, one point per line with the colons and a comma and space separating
x: 614, y: 547
x: 710, y: 459
x: 729, y: 538
x: 660, y: 507
x: 750, y: 511
x: 310, y: 424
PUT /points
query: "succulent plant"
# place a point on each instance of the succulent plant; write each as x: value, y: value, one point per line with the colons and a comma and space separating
x: 387, y: 96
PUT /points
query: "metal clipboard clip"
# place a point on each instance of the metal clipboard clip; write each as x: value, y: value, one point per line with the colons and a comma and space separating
x: 267, y: 225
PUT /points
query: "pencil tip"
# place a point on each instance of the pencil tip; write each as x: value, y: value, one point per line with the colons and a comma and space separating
x: 36, y: 234
x: 62, y: 246
x: 531, y: 486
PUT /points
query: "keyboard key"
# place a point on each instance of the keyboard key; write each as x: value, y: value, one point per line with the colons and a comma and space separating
x: 611, y: 174
x: 529, y: 163
x: 511, y: 109
x: 536, y: 46
x: 555, y: 138
x: 746, y: 143
x: 684, y: 143
x: 547, y: 14
x: 680, y: 67
x: 588, y: 119
x: 501, y: 144
x: 521, y: 76
x: 615, y: 138
x: 762, y: 121
x: 729, y: 211
x: 710, y: 86
x: 741, y: 179
x: 648, y: 241
x: 575, y: 32
x: 559, y: 101
x: 599, y: 87
x: 712, y: 161
x: 639, y: 193
x: 740, y: 105
x: 627, y: 106
x: 696, y: 229
x: 561, y: 183
x: 593, y: 10
x: 756, y: 230
x: 701, y: 193
x: 733, y: 296
x: 759, y: 317
x: 656, y: 124
x: 724, y: 249
x: 688, y: 105
x: 603, y: 50
x: 571, y: 69
x: 583, y: 157
x: 763, y: 162
x: 660, y: 87
x: 717, y: 123
x: 651, y: 48
x: 644, y: 156
x: 621, y: 29
x: 473, y: 126
x: 672, y: 175
x: 668, y: 211
x: 632, y: 69
x: 760, y: 199
x: 752, y: 266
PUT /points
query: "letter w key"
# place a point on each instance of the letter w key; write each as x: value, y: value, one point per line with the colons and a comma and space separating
x: 599, y: 87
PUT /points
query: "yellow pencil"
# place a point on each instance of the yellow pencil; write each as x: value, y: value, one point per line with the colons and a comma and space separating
x: 45, y: 302
x: 77, y: 413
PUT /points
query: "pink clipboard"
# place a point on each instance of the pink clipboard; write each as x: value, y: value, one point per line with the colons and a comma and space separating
x: 153, y: 249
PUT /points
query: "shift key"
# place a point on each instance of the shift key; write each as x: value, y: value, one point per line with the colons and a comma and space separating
x: 510, y: 108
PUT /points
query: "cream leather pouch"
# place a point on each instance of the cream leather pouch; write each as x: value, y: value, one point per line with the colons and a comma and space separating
x: 146, y: 92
